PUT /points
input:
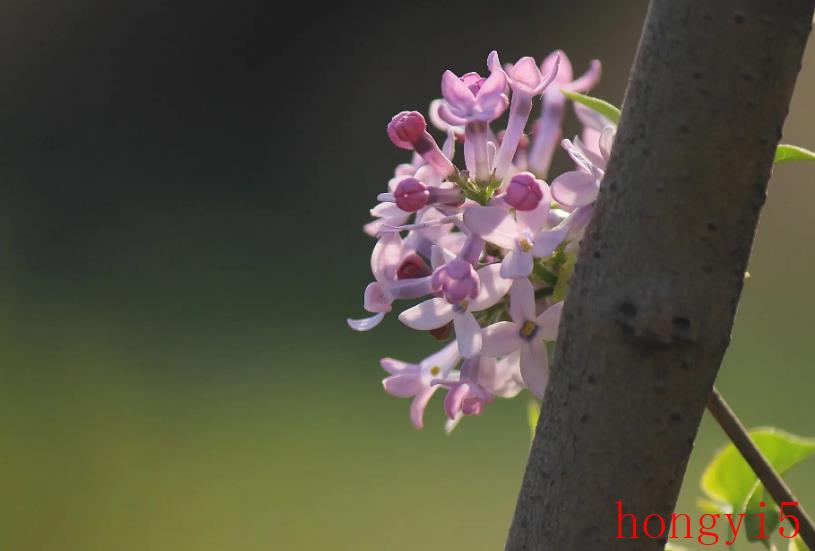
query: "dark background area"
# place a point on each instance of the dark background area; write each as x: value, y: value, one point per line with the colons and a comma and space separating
x: 182, y: 190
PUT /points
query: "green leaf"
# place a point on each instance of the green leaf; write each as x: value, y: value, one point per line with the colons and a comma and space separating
x: 601, y: 106
x: 752, y: 522
x: 533, y: 411
x: 730, y: 482
x: 786, y: 152
x: 797, y: 544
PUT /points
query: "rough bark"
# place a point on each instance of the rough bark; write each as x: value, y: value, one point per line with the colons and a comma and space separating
x: 654, y: 293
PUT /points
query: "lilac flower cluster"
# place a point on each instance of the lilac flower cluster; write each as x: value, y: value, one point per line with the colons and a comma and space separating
x: 489, y: 247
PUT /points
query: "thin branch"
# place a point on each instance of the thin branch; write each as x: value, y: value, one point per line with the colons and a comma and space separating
x: 765, y: 472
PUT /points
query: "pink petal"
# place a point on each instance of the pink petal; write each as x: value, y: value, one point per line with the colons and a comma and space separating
x: 446, y: 359
x: 493, y: 63
x: 606, y: 141
x: 500, y: 339
x: 549, y: 77
x: 403, y: 385
x: 508, y: 381
x: 534, y: 219
x: 525, y: 76
x: 455, y: 92
x: 365, y: 324
x: 516, y: 264
x: 522, y: 301
x: 493, y: 224
x: 376, y: 298
x: 575, y: 189
x: 430, y: 314
x: 439, y: 256
x: 547, y: 133
x: 587, y: 80
x: 394, y: 367
x: 386, y: 256
x: 493, y: 287
x: 548, y: 240
x: 441, y: 117
x: 418, y: 406
x: 590, y: 118
x: 564, y: 67
x: 454, y: 399
x: 468, y: 334
x: 593, y: 155
x: 448, y: 148
x: 373, y: 228
x: 549, y: 321
x: 535, y: 367
x: 451, y: 424
x: 389, y: 210
x: 493, y: 88
x: 591, y: 138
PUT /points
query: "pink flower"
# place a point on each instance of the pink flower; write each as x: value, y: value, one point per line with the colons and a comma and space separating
x: 525, y: 235
x: 526, y: 81
x: 481, y: 379
x: 579, y: 188
x: 596, y: 127
x: 433, y: 213
x: 547, y: 129
x: 527, y: 333
x: 524, y: 77
x: 415, y: 380
x: 473, y: 98
x: 387, y: 259
x: 437, y: 312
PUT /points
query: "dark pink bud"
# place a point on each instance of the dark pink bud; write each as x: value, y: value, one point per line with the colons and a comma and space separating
x: 413, y: 267
x: 524, y: 192
x: 411, y: 195
x: 406, y: 129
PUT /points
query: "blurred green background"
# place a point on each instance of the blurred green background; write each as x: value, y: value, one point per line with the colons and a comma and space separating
x: 182, y: 188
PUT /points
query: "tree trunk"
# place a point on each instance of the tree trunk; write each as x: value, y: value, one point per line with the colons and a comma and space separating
x: 654, y: 293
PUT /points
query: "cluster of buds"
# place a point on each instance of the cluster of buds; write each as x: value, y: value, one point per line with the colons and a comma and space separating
x: 487, y: 248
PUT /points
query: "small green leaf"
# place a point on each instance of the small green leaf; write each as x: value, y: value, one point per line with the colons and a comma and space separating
x: 731, y: 485
x: 533, y: 411
x: 797, y: 544
x: 786, y: 152
x: 601, y: 106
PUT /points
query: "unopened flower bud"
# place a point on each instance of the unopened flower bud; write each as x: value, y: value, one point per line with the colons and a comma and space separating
x: 406, y: 129
x: 524, y: 192
x: 411, y: 195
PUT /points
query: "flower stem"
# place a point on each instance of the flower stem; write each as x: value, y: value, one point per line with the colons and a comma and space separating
x: 765, y: 472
